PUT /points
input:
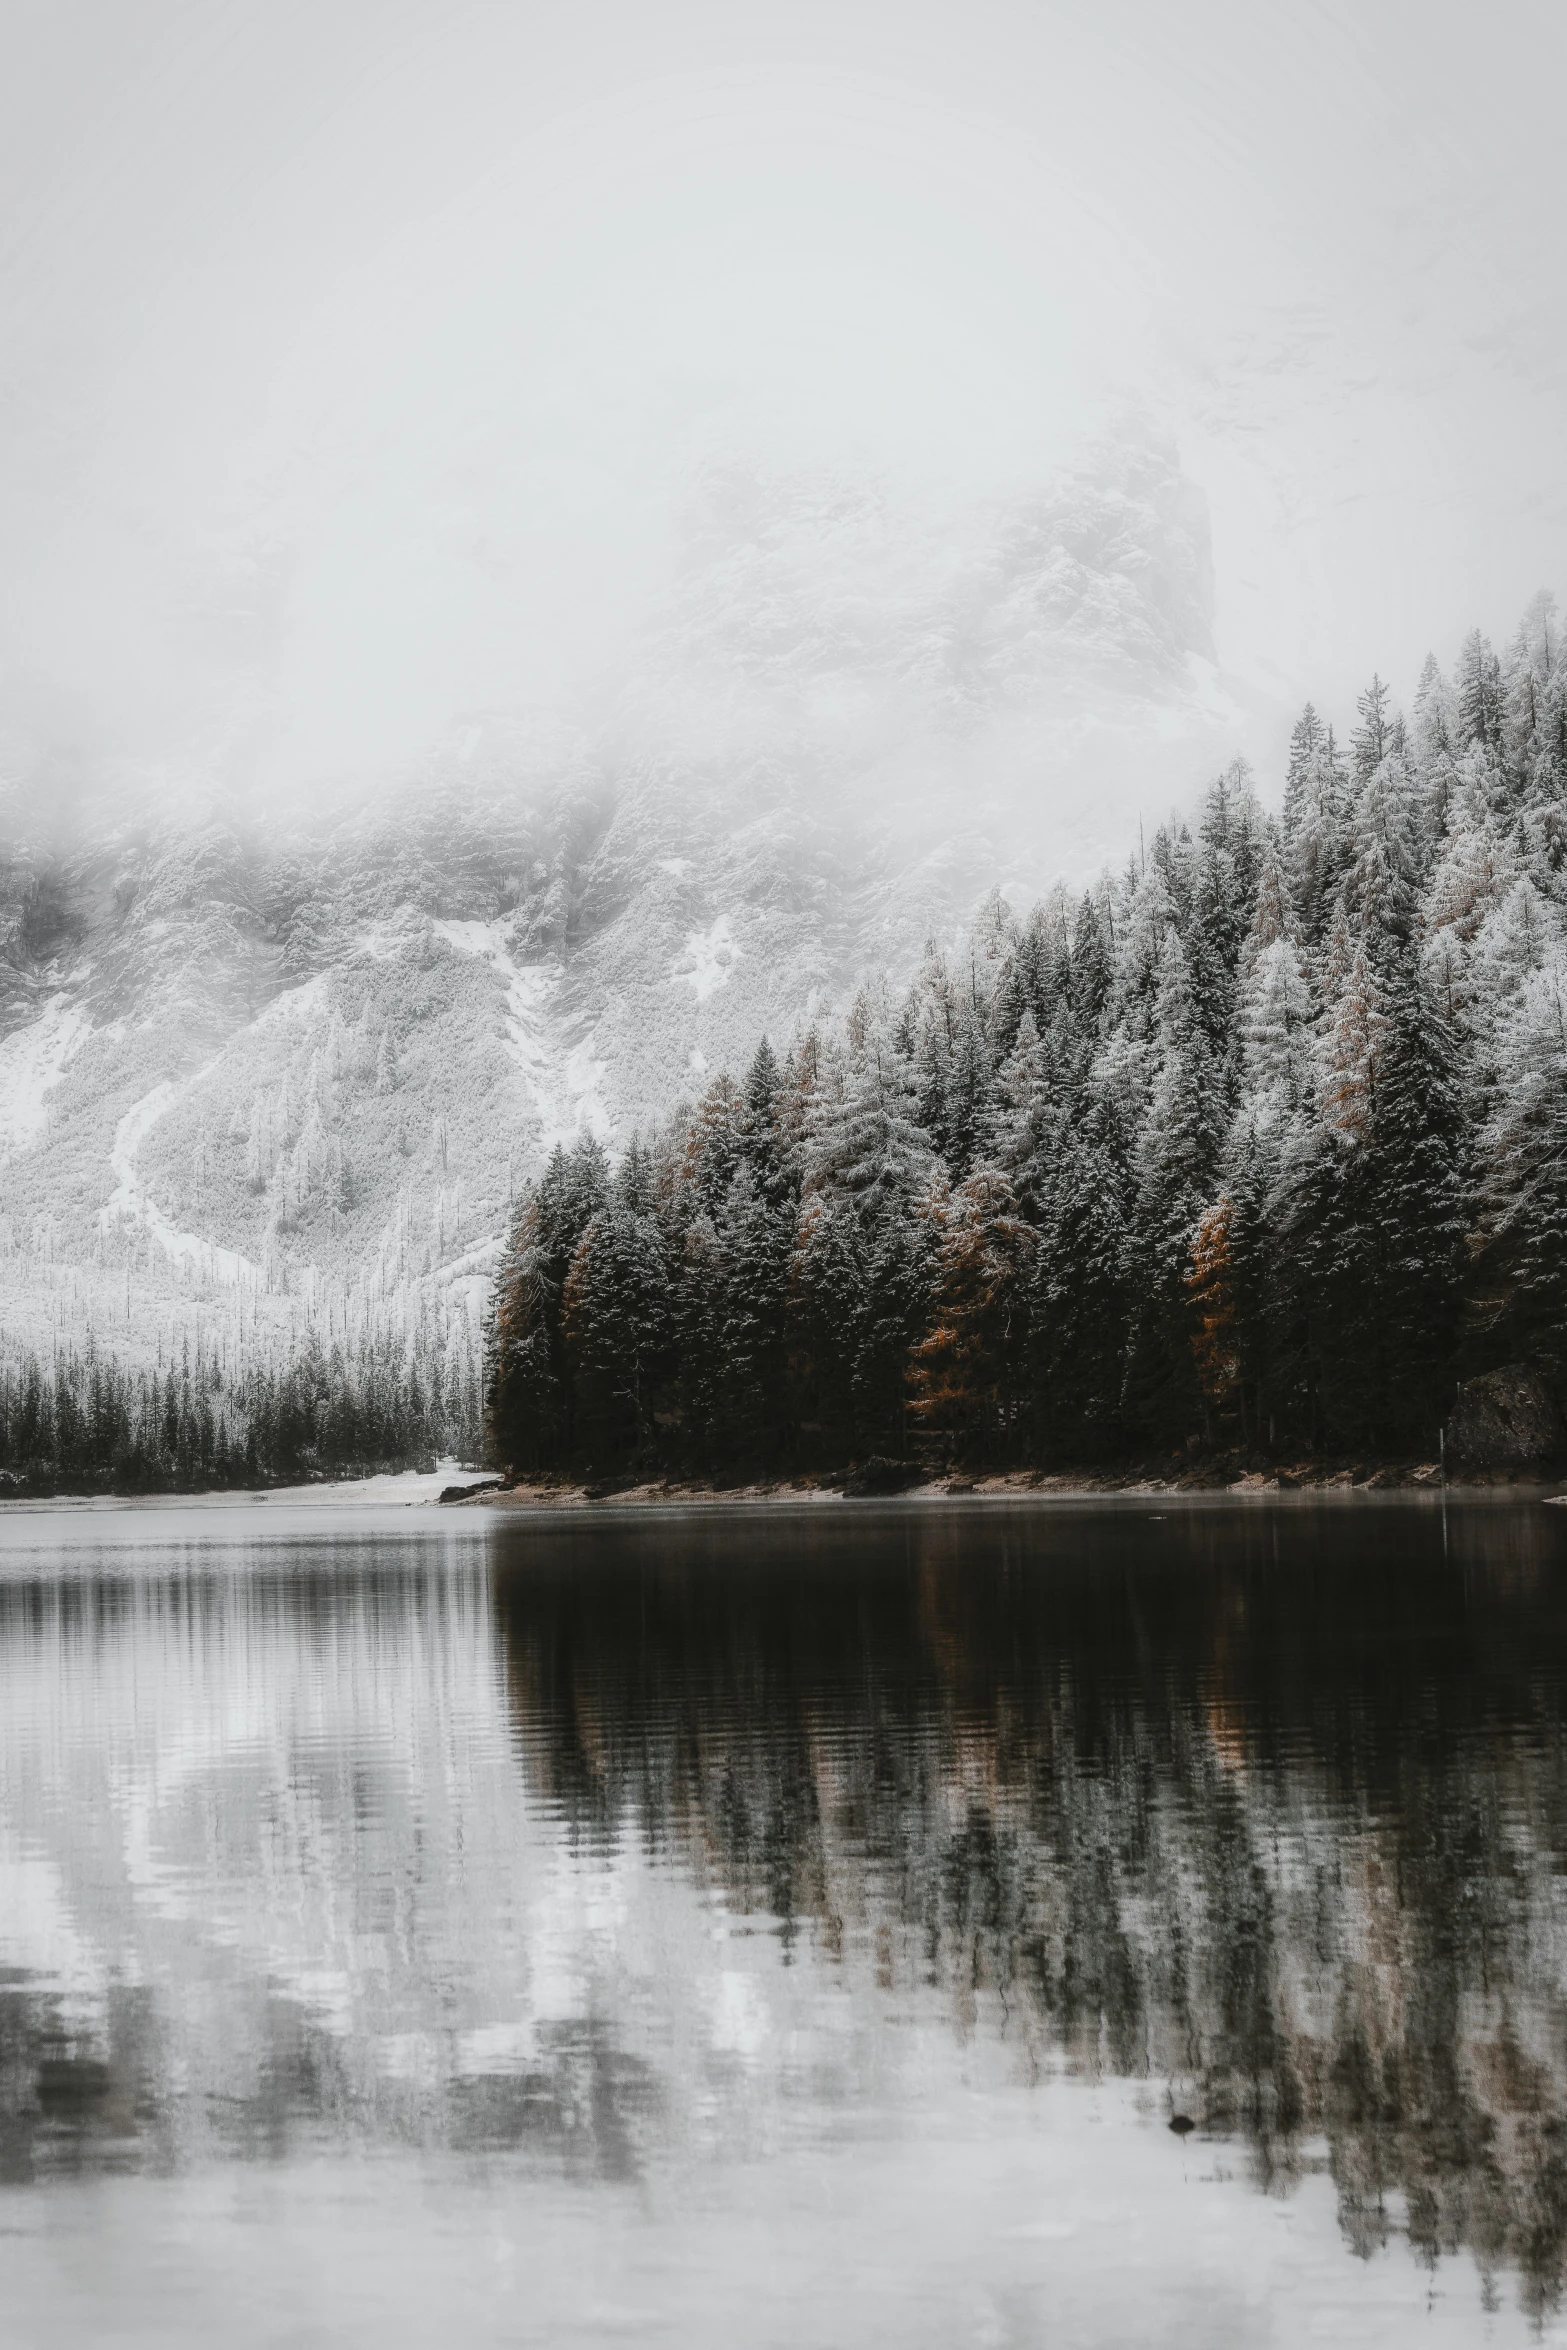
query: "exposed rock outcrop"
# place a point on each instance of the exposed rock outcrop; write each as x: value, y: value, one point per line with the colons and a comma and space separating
x: 1508, y: 1419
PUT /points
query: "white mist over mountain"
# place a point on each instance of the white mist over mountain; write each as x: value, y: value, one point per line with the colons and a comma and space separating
x: 370, y: 368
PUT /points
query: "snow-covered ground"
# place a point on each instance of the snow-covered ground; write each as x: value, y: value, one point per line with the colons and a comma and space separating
x: 32, y: 1062
x: 567, y: 1093
x: 709, y: 959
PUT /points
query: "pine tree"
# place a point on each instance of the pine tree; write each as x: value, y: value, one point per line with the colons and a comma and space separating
x: 1383, y: 1225
x: 866, y: 1140
x: 754, y: 1256
x: 969, y: 1078
x: 1211, y: 1286
x: 1524, y: 1191
x: 968, y: 1373
x: 1478, y: 693
x: 764, y: 1144
x: 529, y: 1418
x: 1152, y: 915
x: 1373, y: 737
x: 1381, y: 887
x: 1316, y: 827
x: 1415, y: 1186
x: 1177, y: 1150
x: 1079, y: 1324
x: 1353, y: 1039
x: 615, y: 1320
x: 899, y: 1275
x: 1090, y: 968
x: 1178, y: 1145
x: 828, y: 1295
x: 1275, y: 1029
x: 1307, y: 743
x: 1016, y: 1129
x: 1435, y: 733
x: 1526, y: 689
x: 1256, y: 1271
x: 715, y: 1143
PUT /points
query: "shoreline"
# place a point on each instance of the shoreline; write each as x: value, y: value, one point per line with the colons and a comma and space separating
x: 1014, y: 1485
x: 415, y: 1489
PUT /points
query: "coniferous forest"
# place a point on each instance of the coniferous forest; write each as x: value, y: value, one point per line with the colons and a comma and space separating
x: 86, y: 1423
x: 1258, y: 1146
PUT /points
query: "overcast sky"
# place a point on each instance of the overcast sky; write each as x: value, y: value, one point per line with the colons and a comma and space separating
x: 348, y: 348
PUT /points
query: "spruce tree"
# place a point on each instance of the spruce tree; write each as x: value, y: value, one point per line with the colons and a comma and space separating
x: 615, y: 1318
x: 1176, y: 1156
x: 763, y: 1145
x: 968, y: 1372
x: 1478, y: 693
x: 969, y: 1077
x: 1089, y: 980
x: 1524, y: 1187
x: 1316, y: 830
x: 899, y: 1273
x: 1306, y: 744
x: 866, y: 1141
x: 828, y: 1298
x: 1083, y: 1287
x: 1372, y: 738
x: 754, y: 1251
x: 1016, y: 1130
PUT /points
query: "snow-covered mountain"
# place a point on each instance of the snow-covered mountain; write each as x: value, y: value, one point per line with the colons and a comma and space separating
x: 258, y: 1076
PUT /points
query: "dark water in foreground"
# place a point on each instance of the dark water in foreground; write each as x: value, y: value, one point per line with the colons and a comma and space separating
x: 785, y: 1928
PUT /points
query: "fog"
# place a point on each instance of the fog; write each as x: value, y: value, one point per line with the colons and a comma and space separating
x: 373, y: 373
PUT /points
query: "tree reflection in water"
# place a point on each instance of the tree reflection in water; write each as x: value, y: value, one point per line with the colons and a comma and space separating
x: 1269, y: 1808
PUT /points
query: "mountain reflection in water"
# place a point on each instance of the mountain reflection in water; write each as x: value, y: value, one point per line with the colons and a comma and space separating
x: 614, y: 1844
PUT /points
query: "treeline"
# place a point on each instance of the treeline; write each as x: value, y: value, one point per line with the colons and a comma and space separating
x: 86, y: 1423
x: 1261, y: 1142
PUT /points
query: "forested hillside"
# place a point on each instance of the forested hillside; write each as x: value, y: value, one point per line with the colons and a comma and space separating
x: 1262, y: 1142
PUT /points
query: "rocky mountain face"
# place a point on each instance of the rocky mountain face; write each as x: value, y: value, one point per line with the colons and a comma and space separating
x: 264, y: 1078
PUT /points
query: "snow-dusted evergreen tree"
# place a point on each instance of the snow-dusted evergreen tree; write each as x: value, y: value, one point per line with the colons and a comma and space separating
x: 866, y: 1140
x: 1022, y: 1103
x: 616, y: 1317
x: 1176, y: 1156
x: 968, y: 1370
x: 1274, y: 1024
x: 1435, y: 734
x: 969, y: 1074
x: 829, y: 1291
x: 1525, y: 1181
x: 1373, y: 735
x: 1478, y: 694
x: 763, y: 1143
x: 899, y: 1270
x: 528, y: 1400
x: 754, y: 1244
x: 1316, y: 824
x: 1092, y: 963
x: 715, y: 1142
x: 1083, y: 1290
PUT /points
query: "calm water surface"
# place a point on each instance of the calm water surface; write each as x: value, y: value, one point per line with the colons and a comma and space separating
x: 790, y: 1927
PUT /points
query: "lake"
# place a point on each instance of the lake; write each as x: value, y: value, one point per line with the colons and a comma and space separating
x: 785, y: 1925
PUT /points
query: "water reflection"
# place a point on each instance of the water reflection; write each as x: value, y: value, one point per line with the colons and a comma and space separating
x: 611, y: 1846
x: 1269, y: 1809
